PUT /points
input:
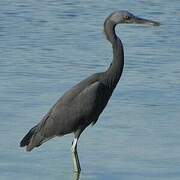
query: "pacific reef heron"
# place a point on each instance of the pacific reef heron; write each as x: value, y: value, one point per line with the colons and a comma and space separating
x: 82, y: 104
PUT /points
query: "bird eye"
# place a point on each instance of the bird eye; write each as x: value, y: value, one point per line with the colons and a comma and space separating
x: 126, y: 17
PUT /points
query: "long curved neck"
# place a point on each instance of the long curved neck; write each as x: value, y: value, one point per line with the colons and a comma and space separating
x: 114, y: 72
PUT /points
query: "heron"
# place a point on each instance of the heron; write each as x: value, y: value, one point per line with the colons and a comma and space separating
x: 83, y: 103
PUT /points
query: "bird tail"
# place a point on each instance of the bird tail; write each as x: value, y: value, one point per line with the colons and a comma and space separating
x: 26, y: 141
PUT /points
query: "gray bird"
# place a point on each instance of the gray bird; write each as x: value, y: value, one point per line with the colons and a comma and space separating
x: 82, y: 104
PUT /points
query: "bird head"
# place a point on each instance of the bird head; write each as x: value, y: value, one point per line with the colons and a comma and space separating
x: 127, y: 17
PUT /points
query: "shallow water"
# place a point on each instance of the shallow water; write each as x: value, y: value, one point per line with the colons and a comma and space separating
x: 46, y: 47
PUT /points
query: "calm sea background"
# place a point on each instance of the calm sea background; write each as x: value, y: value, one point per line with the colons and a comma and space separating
x: 48, y: 46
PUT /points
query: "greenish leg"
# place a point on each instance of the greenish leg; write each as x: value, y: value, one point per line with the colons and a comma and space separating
x: 76, y: 163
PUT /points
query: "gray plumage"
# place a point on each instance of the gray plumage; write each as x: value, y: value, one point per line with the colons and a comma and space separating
x: 82, y: 104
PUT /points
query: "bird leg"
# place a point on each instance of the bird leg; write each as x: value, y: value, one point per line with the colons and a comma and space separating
x: 76, y: 163
x: 76, y: 176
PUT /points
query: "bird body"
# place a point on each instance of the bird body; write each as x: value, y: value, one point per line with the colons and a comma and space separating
x: 82, y: 104
x: 75, y: 110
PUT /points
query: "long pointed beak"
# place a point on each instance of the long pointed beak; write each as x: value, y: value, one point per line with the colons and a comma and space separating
x: 138, y: 20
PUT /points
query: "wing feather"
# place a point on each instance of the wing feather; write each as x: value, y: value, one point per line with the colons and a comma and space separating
x: 83, y: 109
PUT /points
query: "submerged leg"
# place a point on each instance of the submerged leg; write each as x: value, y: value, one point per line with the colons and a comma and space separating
x: 76, y: 163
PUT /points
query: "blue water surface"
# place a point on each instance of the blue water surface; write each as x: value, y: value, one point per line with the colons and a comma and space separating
x: 48, y: 46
